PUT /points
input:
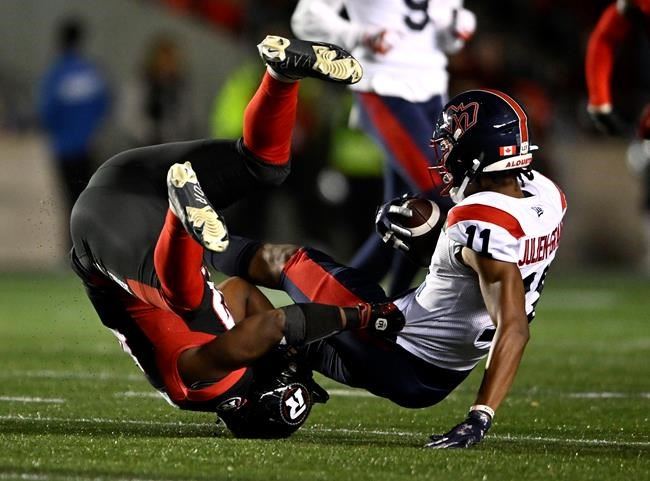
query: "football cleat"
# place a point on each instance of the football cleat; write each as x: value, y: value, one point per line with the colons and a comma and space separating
x: 188, y: 202
x: 296, y: 59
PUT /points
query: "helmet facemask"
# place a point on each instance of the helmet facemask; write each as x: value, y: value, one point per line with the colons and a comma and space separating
x: 451, y: 169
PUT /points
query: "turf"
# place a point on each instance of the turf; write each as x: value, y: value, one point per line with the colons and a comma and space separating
x: 74, y: 407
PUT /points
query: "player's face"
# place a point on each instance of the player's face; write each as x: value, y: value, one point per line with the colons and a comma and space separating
x: 442, y: 147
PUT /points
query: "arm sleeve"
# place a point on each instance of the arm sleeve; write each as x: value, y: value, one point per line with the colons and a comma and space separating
x: 608, y: 34
x: 320, y: 20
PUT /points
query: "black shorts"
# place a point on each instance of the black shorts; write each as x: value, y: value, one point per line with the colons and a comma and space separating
x: 115, y: 225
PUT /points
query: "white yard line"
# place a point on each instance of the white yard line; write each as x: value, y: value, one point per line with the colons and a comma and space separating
x: 64, y: 477
x: 138, y: 422
x: 140, y: 394
x: 350, y: 393
x: 608, y: 395
x: 542, y: 439
x: 54, y: 374
x: 25, y: 399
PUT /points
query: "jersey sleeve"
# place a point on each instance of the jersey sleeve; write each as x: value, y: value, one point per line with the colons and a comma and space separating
x: 487, y: 230
x: 608, y: 34
x: 320, y: 19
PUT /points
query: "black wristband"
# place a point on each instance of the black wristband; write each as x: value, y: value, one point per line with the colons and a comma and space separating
x: 352, y: 318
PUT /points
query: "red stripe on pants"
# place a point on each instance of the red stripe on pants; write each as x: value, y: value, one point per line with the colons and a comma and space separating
x: 398, y: 141
x: 316, y: 283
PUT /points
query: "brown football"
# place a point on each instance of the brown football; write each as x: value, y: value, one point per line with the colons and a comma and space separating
x: 424, y: 224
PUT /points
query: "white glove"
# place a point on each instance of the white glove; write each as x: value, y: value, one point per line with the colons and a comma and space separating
x: 461, y: 29
x: 379, y: 41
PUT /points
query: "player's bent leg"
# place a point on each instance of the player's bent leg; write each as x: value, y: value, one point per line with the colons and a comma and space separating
x: 383, y: 368
x: 268, y: 263
x: 178, y: 260
x: 259, y: 263
x: 311, y: 275
x: 269, y: 120
x: 306, y: 274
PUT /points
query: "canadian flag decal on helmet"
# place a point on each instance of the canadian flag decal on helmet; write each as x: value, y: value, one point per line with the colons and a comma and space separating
x: 460, y: 118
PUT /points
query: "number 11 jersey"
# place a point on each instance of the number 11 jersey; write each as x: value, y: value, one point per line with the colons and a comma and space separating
x: 447, y: 322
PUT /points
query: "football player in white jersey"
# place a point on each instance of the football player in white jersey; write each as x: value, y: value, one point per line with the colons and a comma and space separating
x: 403, y: 47
x: 485, y: 277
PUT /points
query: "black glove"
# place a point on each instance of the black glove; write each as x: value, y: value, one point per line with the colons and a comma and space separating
x: 391, y: 233
x: 607, y: 123
x: 381, y: 318
x: 466, y: 434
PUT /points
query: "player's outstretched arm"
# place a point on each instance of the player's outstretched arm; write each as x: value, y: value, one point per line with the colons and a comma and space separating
x: 295, y: 325
x: 503, y: 292
x: 599, y: 63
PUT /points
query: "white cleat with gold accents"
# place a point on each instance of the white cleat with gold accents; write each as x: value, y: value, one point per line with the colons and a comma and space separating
x: 188, y: 202
x: 295, y: 59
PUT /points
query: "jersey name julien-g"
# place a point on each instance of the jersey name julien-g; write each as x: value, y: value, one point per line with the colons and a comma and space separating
x: 447, y: 323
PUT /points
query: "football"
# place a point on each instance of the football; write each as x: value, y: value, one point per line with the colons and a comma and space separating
x: 424, y: 225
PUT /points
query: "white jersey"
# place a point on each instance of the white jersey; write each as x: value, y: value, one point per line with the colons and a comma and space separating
x: 415, y: 68
x: 447, y: 323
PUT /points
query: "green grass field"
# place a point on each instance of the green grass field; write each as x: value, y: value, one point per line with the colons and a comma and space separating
x: 74, y: 407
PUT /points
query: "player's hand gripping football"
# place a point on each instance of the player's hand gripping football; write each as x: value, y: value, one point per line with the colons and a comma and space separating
x: 391, y: 233
x: 468, y: 433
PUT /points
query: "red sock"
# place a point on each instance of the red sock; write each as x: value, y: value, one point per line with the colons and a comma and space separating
x: 178, y: 260
x: 269, y: 119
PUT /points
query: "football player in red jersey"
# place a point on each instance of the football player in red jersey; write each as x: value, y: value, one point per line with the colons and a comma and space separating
x: 140, y: 229
x: 617, y: 22
x: 614, y: 25
x: 485, y: 277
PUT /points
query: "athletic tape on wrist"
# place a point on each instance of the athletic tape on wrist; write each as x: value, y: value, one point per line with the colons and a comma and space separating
x: 483, y: 408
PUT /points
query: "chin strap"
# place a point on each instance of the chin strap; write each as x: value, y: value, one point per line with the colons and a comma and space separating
x: 457, y: 194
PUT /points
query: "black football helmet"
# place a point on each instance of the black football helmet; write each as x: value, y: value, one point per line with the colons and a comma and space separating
x: 479, y: 131
x: 273, y: 414
x: 279, y: 400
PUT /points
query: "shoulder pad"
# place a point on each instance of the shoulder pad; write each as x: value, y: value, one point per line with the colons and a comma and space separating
x: 487, y: 230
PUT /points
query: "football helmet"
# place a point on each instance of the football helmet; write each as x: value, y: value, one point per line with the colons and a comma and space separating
x: 479, y: 131
x: 276, y: 413
x: 279, y: 400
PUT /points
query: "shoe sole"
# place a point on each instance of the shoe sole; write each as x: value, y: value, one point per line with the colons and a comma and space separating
x: 205, y: 223
x: 273, y: 49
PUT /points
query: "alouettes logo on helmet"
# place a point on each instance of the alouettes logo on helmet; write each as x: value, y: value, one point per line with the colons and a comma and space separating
x: 460, y: 118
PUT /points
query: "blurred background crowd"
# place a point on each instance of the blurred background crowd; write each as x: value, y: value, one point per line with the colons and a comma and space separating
x: 165, y: 70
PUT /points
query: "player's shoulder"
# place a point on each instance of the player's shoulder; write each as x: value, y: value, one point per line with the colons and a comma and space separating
x: 485, y: 224
x: 544, y: 201
x: 547, y: 193
x: 490, y: 208
x: 494, y: 224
